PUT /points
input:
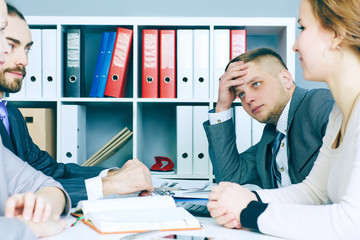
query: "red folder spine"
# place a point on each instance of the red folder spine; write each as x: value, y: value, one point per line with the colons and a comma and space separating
x: 237, y: 42
x: 150, y: 65
x: 167, y: 64
x: 116, y: 82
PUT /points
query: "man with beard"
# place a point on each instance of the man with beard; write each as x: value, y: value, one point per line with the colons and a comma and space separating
x: 296, y: 121
x: 80, y: 182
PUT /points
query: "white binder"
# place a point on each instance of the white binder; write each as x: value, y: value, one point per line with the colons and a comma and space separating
x: 33, y: 69
x: 201, y: 63
x: 221, y: 56
x: 242, y: 129
x: 49, y: 63
x: 184, y: 138
x: 184, y: 63
x: 73, y: 131
x: 200, y: 143
x: 257, y: 131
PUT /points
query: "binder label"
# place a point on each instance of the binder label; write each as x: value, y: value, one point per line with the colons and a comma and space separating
x: 120, y: 54
x: 73, y: 58
x: 238, y: 44
x: 167, y: 48
x: 150, y: 51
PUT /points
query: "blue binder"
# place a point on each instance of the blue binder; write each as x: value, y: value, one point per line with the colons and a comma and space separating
x: 99, y: 63
x: 106, y: 65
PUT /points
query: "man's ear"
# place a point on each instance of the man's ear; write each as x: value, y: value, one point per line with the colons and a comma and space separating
x: 287, y: 78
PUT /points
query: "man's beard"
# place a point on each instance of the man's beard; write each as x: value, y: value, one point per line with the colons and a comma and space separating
x: 14, y: 85
x: 275, y: 114
x: 277, y: 110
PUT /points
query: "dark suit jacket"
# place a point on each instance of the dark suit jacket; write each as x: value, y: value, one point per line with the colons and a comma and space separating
x: 71, y: 176
x: 308, y: 117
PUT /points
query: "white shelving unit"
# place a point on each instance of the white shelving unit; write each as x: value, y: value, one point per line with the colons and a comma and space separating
x: 153, y: 121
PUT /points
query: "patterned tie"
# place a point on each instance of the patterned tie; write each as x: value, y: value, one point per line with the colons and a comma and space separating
x: 275, y: 174
x: 4, y: 116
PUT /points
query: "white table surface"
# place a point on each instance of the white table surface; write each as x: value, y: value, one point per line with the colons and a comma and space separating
x: 210, y: 229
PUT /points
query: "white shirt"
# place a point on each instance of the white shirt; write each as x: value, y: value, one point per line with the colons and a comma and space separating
x: 215, y: 118
x: 333, y: 185
x: 282, y: 155
x: 94, y: 187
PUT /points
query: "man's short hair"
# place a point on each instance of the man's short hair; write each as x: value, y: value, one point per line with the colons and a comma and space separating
x: 257, y: 55
x: 12, y: 11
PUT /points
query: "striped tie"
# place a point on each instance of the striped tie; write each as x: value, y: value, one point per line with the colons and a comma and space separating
x: 275, y: 174
x: 4, y: 116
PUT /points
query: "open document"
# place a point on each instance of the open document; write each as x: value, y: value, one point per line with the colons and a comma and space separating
x: 184, y: 188
x: 136, y: 214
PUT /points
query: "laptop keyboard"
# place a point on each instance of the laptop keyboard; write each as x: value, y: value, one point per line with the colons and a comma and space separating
x: 198, y: 210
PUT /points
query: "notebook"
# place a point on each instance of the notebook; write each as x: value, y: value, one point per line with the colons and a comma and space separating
x: 136, y: 214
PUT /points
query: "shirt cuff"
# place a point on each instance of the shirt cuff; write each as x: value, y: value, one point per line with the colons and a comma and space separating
x: 67, y: 204
x: 104, y: 172
x: 250, y: 215
x: 215, y: 118
x: 94, y: 188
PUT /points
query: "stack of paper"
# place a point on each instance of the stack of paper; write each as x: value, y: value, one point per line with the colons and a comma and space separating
x: 110, y: 148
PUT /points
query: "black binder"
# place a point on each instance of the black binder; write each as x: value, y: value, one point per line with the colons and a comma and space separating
x: 74, y: 77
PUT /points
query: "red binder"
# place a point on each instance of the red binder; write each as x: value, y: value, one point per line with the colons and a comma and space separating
x: 237, y: 42
x: 116, y: 81
x: 167, y: 64
x: 150, y: 67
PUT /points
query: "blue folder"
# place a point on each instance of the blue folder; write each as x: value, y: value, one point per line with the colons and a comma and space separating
x: 99, y: 63
x: 106, y: 65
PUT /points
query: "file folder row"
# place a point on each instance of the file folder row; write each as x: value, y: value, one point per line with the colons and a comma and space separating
x: 41, y: 79
x: 192, y: 144
x: 192, y: 58
x: 166, y: 75
x: 112, y: 64
x: 228, y: 44
x: 175, y: 63
x: 158, y: 63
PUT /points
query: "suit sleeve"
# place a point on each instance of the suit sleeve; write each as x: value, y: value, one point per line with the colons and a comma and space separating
x: 13, y: 228
x: 228, y: 164
x: 71, y: 176
x: 43, y: 162
x: 22, y: 178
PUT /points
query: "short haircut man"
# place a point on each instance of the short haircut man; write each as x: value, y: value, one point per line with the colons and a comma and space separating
x: 268, y: 94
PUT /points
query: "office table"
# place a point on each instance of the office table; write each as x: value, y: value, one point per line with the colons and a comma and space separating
x: 211, y: 229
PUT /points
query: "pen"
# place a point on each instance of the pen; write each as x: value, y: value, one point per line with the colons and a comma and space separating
x: 196, y: 192
x: 168, y: 188
x: 138, y: 235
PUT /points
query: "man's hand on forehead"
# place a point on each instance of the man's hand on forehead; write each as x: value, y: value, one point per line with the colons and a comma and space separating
x: 229, y: 80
